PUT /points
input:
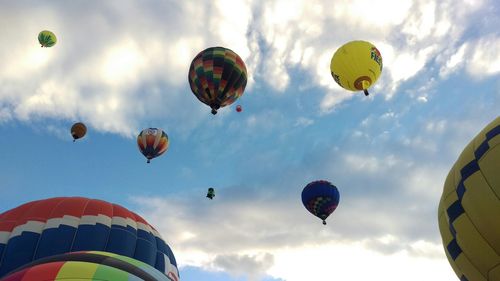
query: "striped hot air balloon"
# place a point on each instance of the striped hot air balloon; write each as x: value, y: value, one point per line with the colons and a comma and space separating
x: 152, y: 142
x: 88, y: 265
x: 217, y: 77
x: 60, y: 225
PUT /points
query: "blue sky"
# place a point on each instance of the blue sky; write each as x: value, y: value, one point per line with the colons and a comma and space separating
x: 121, y: 66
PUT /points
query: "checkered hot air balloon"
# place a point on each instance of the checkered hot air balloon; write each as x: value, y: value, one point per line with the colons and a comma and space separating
x: 55, y: 226
x: 217, y: 77
x: 320, y: 198
x: 87, y: 265
x: 152, y: 142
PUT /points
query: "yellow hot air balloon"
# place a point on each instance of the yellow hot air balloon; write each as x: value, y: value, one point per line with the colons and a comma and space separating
x: 470, y: 206
x: 356, y: 66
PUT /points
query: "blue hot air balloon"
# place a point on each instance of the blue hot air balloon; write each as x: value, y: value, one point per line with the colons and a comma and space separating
x: 320, y: 198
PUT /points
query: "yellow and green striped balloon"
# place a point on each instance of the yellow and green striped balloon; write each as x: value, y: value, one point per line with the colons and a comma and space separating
x: 47, y: 38
x: 469, y: 210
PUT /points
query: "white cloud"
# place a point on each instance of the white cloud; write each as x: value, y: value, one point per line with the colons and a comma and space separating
x: 454, y: 61
x: 251, y: 266
x: 127, y: 60
x: 353, y: 262
x: 303, y: 122
x: 484, y: 59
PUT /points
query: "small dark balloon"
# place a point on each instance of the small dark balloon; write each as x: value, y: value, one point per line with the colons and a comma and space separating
x: 78, y: 131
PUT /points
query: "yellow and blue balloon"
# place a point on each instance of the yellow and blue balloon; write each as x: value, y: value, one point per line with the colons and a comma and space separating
x: 469, y: 209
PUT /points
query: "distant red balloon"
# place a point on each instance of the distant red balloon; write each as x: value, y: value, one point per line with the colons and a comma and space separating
x: 238, y: 108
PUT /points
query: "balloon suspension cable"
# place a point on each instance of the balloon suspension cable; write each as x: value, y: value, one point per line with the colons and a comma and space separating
x: 324, y: 222
x: 366, y: 92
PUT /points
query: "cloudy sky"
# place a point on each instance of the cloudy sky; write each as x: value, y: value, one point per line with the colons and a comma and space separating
x: 121, y: 66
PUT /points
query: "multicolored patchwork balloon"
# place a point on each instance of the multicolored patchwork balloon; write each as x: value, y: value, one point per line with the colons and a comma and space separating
x: 152, y: 142
x: 60, y: 225
x: 47, y: 38
x: 91, y: 265
x: 320, y: 198
x: 217, y: 77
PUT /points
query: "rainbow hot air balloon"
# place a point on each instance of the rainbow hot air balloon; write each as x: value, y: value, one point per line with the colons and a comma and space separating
x: 152, y: 142
x: 87, y: 265
x: 320, y: 198
x: 54, y: 226
x: 217, y: 77
x: 469, y: 208
x: 356, y: 66
x: 78, y: 131
x: 47, y: 38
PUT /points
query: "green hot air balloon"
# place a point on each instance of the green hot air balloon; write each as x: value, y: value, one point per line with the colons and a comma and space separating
x: 47, y: 38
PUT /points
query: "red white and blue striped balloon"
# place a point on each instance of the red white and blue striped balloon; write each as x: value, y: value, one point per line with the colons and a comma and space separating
x: 68, y: 224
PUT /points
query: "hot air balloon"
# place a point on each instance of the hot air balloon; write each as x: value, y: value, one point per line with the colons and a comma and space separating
x: 78, y: 130
x: 60, y: 225
x: 320, y: 198
x: 238, y: 108
x: 217, y: 77
x: 469, y: 207
x: 211, y: 193
x: 47, y: 38
x: 356, y: 66
x: 152, y: 142
x: 87, y: 265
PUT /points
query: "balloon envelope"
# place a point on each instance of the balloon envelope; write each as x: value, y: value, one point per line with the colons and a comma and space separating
x: 47, y: 38
x: 469, y: 208
x: 217, y: 77
x: 356, y: 65
x: 60, y: 225
x: 320, y: 198
x: 91, y: 265
x: 152, y: 142
x: 78, y: 130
